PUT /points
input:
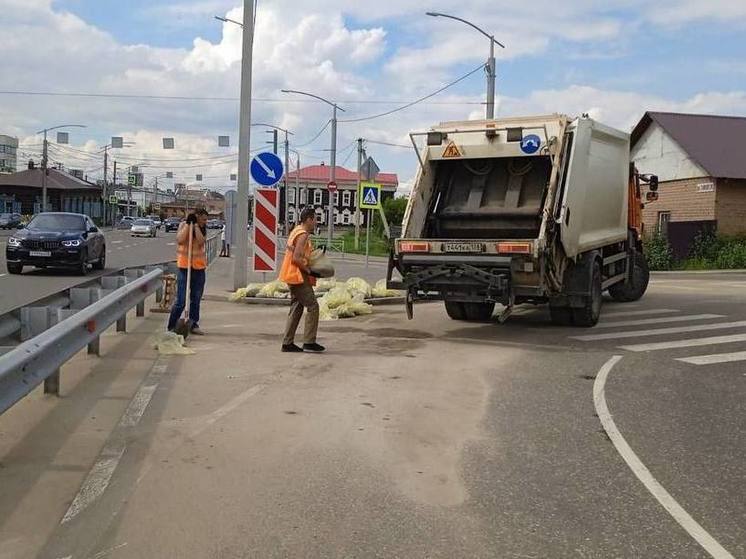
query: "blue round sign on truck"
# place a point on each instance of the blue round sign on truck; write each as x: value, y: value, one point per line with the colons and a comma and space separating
x: 530, y: 144
x: 266, y: 169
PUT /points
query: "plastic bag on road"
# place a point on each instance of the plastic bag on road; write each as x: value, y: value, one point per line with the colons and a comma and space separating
x: 381, y: 291
x: 321, y: 264
x: 250, y: 290
x: 359, y: 285
x: 272, y: 288
x: 324, y: 285
x: 325, y: 313
x: 170, y: 343
x: 337, y: 297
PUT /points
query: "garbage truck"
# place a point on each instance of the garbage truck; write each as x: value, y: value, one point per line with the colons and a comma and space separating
x: 534, y: 210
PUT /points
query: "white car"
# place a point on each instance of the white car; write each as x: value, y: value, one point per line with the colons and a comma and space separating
x: 143, y: 228
x: 156, y: 220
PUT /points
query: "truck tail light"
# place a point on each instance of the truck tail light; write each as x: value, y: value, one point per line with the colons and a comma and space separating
x: 514, y: 248
x: 408, y: 246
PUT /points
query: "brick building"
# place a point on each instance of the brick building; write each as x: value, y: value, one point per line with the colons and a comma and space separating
x: 701, y: 164
x: 310, y: 190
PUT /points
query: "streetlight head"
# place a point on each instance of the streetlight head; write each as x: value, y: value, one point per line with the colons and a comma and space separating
x: 221, y: 19
x: 433, y: 14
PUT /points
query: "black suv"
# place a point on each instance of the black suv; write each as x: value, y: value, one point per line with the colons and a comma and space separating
x: 172, y: 224
x: 10, y: 221
x: 57, y: 240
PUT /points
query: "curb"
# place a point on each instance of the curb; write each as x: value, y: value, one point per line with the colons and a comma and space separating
x: 703, y: 272
x: 267, y: 301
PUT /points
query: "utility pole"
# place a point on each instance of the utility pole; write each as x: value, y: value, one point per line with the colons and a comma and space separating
x: 114, y: 190
x: 286, y: 221
x: 333, y: 176
x: 44, y: 163
x: 129, y: 193
x: 273, y: 141
x: 357, y: 194
x: 105, y: 189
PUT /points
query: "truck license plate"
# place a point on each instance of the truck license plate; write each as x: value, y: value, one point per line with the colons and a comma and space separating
x: 463, y: 247
x: 39, y: 253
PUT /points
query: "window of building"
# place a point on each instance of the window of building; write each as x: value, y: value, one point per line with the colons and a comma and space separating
x: 317, y: 199
x: 291, y: 215
x: 663, y: 219
x: 346, y: 196
x: 346, y: 217
x: 336, y: 199
x: 291, y: 196
x: 319, y: 215
x: 304, y: 196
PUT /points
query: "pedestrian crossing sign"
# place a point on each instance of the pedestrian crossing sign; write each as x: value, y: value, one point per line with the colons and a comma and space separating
x: 370, y: 195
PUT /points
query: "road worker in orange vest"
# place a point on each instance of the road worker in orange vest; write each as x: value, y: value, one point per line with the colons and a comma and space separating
x: 299, y: 277
x: 199, y: 267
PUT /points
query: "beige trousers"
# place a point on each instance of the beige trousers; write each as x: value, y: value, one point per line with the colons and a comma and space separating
x: 302, y: 296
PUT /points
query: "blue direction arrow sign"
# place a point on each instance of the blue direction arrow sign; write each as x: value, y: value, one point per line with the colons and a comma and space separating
x: 266, y: 169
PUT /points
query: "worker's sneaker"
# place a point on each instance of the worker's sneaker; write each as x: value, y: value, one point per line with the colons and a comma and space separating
x: 314, y: 348
x: 197, y: 331
x: 291, y: 348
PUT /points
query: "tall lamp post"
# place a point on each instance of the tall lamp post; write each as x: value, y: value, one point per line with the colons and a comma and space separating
x: 287, y: 163
x: 491, y: 70
x: 240, y: 270
x: 333, y: 165
x: 45, y: 160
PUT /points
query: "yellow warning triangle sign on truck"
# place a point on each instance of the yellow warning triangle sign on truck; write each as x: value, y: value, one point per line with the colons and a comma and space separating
x: 452, y: 151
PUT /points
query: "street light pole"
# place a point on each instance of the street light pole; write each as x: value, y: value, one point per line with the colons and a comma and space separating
x: 333, y: 171
x: 491, y: 65
x: 45, y: 160
x: 240, y: 270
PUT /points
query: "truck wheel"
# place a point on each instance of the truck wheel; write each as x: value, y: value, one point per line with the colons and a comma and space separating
x: 561, y: 316
x: 626, y: 292
x: 455, y: 310
x: 588, y: 314
x: 479, y: 312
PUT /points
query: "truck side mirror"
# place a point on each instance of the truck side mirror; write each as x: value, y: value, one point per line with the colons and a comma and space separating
x: 651, y: 196
x: 653, y: 183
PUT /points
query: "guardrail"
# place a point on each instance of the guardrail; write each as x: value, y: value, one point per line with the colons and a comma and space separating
x: 39, y: 359
x: 55, y: 328
x: 337, y: 245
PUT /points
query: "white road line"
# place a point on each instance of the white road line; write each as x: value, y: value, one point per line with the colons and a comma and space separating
x: 659, y: 320
x: 692, y: 527
x: 638, y: 313
x: 116, y: 242
x: 697, y: 342
x: 1, y: 275
x: 715, y: 358
x: 98, y: 478
x: 661, y: 331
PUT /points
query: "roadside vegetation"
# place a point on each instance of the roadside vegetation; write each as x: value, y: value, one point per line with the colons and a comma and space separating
x: 708, y: 252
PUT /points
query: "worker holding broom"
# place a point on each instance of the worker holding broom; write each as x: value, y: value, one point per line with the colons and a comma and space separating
x: 192, y: 266
x: 296, y: 273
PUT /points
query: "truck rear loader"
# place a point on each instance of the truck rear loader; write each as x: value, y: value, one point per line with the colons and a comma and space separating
x: 523, y: 210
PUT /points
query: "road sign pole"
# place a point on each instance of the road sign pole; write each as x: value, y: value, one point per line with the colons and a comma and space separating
x: 367, y: 239
x: 240, y: 270
x: 333, y: 177
x: 285, y: 219
x: 44, y: 164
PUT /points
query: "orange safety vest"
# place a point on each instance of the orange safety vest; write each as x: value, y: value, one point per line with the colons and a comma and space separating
x: 290, y: 273
x: 199, y: 258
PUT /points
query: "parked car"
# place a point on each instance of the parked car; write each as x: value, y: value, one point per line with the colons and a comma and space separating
x: 10, y: 221
x: 126, y: 222
x: 143, y: 228
x: 172, y: 224
x: 57, y: 240
x: 214, y: 224
x: 156, y: 220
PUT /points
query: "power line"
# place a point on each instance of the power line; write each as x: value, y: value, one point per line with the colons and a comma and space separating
x: 389, y: 144
x: 328, y: 122
x: 420, y: 100
x: 234, y: 99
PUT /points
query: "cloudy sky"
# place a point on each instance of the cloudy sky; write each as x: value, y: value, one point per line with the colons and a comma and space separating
x: 614, y: 59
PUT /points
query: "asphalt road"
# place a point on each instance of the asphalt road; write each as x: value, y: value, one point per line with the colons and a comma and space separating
x: 122, y: 250
x: 429, y: 438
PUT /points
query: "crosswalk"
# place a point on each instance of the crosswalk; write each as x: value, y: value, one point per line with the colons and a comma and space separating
x: 661, y: 330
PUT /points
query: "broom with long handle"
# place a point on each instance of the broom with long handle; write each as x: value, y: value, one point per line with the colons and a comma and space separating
x: 184, y: 326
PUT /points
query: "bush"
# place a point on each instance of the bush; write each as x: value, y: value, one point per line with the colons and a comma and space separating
x: 709, y: 252
x: 658, y: 252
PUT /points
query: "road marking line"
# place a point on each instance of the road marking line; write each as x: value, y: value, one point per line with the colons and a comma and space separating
x: 661, y: 331
x: 2, y: 275
x: 116, y: 242
x: 639, y: 313
x: 98, y: 478
x: 692, y: 527
x: 659, y: 320
x: 715, y: 358
x: 697, y: 342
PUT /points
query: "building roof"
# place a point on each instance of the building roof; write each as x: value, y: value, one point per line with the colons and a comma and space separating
x: 56, y: 180
x: 715, y: 143
x: 320, y: 174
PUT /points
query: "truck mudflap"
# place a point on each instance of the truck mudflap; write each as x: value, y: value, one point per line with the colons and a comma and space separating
x: 428, y: 277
